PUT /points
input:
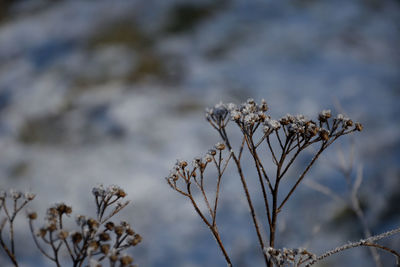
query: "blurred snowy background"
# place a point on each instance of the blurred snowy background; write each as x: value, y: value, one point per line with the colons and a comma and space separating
x: 114, y: 91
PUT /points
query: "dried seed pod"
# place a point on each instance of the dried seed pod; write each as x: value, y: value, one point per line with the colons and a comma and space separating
x: 76, y: 237
x: 130, y: 231
x: 62, y: 208
x: 92, y: 223
x: 359, y: 127
x: 220, y: 146
x: 52, y: 227
x: 263, y: 106
x: 32, y: 216
x: 136, y: 240
x: 324, y: 134
x: 118, y: 230
x: 104, y: 236
x: 212, y: 152
x: 126, y: 260
x: 121, y: 193
x: 349, y: 123
x: 63, y: 234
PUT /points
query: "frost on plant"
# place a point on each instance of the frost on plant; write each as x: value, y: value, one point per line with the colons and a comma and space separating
x: 94, y: 241
x: 285, y: 139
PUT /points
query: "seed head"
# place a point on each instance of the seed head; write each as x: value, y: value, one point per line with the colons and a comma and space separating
x: 264, y: 106
x: 181, y: 163
x: 29, y: 196
x: 325, y: 115
x: 62, y: 208
x: 120, y: 193
x: 130, y: 231
x: 32, y: 216
x: 92, y: 223
x: 15, y: 194
x: 126, y: 260
x: 359, y: 127
x: 136, y: 240
x: 208, y: 158
x: 76, y: 237
x: 324, y: 134
x: 212, y: 152
x: 349, y: 123
x: 104, y: 236
x: 63, y: 234
x: 220, y: 146
x: 118, y: 230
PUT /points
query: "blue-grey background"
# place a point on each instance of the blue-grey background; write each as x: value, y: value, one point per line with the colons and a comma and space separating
x: 114, y: 91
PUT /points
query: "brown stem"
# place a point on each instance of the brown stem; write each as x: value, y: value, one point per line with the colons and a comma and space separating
x: 8, y: 252
x: 302, y: 176
x: 257, y: 161
x: 275, y: 191
x: 224, y: 136
x: 212, y: 228
x: 55, y: 250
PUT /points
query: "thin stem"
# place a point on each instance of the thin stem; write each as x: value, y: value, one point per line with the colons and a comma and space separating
x: 213, y: 229
x: 214, y: 215
x: 279, y: 139
x: 8, y: 252
x: 365, y: 242
x: 258, y: 163
x: 224, y: 136
x: 272, y: 151
x: 302, y: 176
x: 55, y: 250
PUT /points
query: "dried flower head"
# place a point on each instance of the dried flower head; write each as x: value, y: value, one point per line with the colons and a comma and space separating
x: 76, y: 237
x: 291, y: 135
x: 29, y: 196
x: 62, y: 234
x: 220, y: 146
x: 15, y: 194
x: 32, y: 216
x: 359, y: 127
x: 126, y: 260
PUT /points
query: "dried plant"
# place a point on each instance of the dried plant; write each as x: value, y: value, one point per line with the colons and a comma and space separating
x: 284, y: 140
x: 95, y: 241
x: 18, y: 202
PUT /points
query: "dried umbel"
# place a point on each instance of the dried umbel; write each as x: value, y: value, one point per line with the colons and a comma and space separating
x: 289, y: 257
x: 285, y: 139
x: 96, y: 239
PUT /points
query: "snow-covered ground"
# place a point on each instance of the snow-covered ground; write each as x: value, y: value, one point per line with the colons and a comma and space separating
x: 113, y: 92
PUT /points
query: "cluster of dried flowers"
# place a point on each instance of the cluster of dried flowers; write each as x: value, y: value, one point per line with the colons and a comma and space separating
x: 284, y: 139
x: 289, y: 257
x: 95, y: 241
